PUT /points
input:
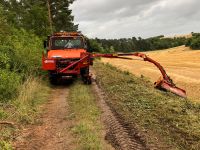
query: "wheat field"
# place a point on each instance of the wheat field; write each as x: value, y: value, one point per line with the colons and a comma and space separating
x: 181, y: 63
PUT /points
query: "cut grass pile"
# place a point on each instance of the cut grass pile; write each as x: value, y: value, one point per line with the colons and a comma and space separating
x: 162, y: 118
x: 22, y: 110
x: 86, y: 117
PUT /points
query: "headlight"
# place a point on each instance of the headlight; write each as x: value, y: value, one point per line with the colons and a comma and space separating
x: 56, y: 56
x: 49, y: 61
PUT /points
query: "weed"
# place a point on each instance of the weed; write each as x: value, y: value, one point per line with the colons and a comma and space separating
x: 24, y: 108
x: 9, y: 83
x: 5, y: 145
x: 3, y: 114
x: 29, y: 98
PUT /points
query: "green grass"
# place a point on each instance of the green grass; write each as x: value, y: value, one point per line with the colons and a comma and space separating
x: 23, y: 109
x: 85, y: 113
x: 33, y: 93
x: 5, y: 146
x: 170, y: 119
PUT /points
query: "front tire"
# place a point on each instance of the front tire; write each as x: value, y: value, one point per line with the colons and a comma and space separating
x: 53, y: 79
x: 86, y: 76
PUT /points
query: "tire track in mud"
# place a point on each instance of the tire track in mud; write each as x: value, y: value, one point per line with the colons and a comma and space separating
x: 52, y: 133
x: 119, y: 134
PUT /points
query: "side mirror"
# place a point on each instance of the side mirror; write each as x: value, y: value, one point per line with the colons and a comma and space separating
x: 45, y: 44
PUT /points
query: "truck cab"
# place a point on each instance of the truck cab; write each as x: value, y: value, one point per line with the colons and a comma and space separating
x: 64, y: 54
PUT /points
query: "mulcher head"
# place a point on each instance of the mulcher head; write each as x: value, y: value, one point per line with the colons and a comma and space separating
x: 164, y: 82
x: 170, y: 86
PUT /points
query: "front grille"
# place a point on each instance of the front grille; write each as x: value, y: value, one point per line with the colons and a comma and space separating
x: 63, y: 63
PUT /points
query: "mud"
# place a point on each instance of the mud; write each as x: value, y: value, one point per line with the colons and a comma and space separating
x: 52, y: 133
x: 119, y: 133
x: 53, y: 130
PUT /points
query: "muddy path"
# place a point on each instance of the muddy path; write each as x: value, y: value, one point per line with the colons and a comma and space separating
x: 119, y: 134
x: 51, y: 133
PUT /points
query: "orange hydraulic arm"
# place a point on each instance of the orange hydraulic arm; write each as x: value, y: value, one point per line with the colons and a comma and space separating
x: 164, y: 83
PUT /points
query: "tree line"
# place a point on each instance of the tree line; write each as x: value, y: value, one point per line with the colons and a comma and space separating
x: 138, y: 44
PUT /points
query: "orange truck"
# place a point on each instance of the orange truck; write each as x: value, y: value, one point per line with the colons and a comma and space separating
x: 67, y: 57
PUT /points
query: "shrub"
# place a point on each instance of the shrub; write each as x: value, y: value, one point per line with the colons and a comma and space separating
x: 20, y: 56
x: 26, y: 51
x: 195, y: 43
x: 9, y: 83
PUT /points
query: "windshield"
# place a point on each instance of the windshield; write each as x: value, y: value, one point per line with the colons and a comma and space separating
x: 67, y: 43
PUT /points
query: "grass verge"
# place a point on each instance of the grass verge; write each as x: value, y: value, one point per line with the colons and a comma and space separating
x: 86, y: 117
x: 22, y: 110
x: 161, y: 117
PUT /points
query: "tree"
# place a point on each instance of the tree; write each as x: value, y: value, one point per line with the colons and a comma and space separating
x: 61, y: 15
x: 195, y: 43
x: 94, y: 46
x: 4, y: 28
x: 111, y: 50
x: 37, y: 17
x: 30, y: 15
x: 12, y: 11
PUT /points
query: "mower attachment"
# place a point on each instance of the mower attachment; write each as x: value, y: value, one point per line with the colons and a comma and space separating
x: 163, y: 83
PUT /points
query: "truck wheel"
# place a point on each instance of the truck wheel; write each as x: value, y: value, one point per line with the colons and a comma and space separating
x: 85, y: 76
x: 53, y: 79
x: 88, y: 80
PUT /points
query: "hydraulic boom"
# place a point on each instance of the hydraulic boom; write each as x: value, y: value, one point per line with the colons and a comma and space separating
x: 164, y: 82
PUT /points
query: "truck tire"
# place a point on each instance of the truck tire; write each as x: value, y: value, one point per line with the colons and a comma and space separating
x: 85, y: 76
x: 53, y: 79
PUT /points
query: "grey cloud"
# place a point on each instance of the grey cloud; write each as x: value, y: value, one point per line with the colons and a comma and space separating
x: 91, y: 10
x: 117, y: 18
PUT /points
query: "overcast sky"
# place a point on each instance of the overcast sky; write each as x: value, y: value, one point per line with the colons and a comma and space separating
x: 128, y: 18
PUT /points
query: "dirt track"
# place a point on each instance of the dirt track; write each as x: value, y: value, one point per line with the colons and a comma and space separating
x: 52, y: 132
x: 181, y: 63
x: 118, y: 133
